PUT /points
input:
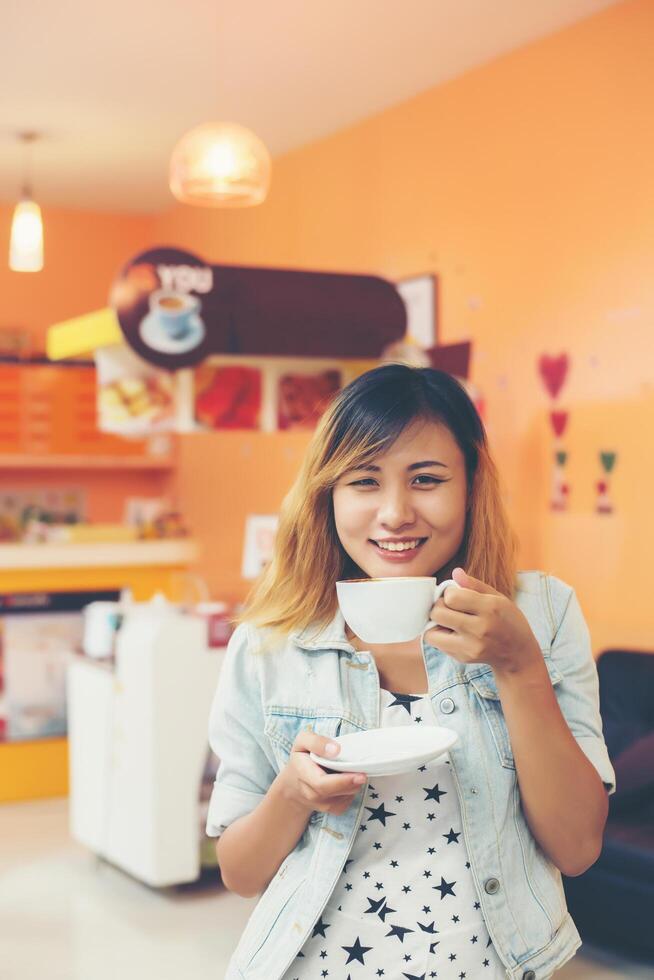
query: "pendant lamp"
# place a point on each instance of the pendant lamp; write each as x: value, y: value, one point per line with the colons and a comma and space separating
x: 220, y: 165
x: 26, y: 241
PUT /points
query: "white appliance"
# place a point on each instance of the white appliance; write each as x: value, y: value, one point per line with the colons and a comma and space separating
x: 138, y: 744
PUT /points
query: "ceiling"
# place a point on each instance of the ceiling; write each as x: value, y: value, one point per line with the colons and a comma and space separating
x: 113, y: 84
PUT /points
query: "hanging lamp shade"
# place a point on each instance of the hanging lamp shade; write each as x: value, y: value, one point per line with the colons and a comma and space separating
x: 26, y: 242
x: 220, y: 165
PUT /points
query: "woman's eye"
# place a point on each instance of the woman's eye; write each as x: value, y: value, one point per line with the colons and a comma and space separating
x: 424, y: 479
x: 366, y: 482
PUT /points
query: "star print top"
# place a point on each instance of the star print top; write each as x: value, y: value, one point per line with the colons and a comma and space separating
x: 405, y: 904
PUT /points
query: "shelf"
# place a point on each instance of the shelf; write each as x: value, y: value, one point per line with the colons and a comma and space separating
x: 98, y: 554
x: 19, y: 461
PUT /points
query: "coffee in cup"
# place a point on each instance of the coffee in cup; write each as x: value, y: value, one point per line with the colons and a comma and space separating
x: 174, y: 311
x: 389, y: 610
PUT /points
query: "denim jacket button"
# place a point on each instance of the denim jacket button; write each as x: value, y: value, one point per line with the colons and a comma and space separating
x: 447, y: 706
x: 491, y: 886
x: 529, y: 975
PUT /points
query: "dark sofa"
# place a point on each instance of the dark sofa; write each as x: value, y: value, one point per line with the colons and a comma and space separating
x: 613, y: 902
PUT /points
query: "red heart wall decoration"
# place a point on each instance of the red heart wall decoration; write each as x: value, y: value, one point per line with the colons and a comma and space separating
x: 553, y: 371
x: 559, y: 421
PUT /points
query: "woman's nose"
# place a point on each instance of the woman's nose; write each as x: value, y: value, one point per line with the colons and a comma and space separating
x: 395, y: 511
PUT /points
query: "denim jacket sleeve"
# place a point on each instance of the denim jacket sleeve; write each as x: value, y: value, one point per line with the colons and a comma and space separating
x: 236, y: 735
x: 578, y: 692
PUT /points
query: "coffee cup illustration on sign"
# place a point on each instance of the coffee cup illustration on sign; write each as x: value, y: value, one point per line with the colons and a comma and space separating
x: 173, y: 323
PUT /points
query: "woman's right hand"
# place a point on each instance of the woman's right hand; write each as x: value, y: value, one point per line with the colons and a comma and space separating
x: 308, y: 786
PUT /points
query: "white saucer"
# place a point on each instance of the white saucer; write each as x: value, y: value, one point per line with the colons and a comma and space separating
x: 152, y: 334
x: 388, y: 751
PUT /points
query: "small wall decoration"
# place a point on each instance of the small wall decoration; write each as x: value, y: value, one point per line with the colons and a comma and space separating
x: 420, y: 297
x: 553, y: 371
x: 227, y: 397
x: 603, y: 503
x: 260, y: 533
x: 302, y: 398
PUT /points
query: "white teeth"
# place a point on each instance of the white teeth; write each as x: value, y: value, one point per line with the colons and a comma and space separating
x: 398, y: 545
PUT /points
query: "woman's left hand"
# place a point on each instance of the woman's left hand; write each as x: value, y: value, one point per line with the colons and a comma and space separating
x: 479, y: 625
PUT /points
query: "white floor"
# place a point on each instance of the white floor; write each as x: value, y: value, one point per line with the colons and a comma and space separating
x: 66, y: 916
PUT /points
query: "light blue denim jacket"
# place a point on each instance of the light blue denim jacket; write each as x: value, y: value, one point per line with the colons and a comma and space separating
x: 266, y: 696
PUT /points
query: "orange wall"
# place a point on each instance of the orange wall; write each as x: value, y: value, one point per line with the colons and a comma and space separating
x: 526, y: 185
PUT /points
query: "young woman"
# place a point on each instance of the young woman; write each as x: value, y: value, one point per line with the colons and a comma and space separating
x: 452, y: 870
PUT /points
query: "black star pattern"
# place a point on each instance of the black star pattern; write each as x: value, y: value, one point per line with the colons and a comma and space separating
x: 399, y: 931
x: 379, y: 813
x: 404, y: 842
x: 319, y: 928
x: 445, y: 888
x: 434, y: 793
x: 356, y: 952
x: 405, y: 700
x: 387, y: 910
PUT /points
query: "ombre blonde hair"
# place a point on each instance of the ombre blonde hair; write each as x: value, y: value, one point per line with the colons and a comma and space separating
x: 297, y: 589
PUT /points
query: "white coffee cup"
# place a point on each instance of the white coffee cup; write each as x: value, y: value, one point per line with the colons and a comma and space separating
x: 389, y: 610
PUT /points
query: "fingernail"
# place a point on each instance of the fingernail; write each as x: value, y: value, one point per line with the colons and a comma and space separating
x: 331, y: 748
x: 359, y: 779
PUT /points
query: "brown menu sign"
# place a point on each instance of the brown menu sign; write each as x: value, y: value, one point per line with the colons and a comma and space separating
x: 175, y: 310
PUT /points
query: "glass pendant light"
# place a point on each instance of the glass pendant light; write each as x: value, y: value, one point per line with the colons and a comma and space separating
x: 220, y: 165
x: 26, y: 242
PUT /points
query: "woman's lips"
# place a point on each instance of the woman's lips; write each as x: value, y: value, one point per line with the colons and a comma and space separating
x: 397, y: 556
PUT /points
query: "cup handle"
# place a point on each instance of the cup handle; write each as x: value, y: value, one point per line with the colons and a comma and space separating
x: 439, y: 589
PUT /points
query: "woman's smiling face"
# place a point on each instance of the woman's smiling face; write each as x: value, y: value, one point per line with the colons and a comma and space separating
x: 405, y: 513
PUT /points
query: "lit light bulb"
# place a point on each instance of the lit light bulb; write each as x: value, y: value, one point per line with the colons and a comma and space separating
x: 220, y: 165
x: 26, y: 243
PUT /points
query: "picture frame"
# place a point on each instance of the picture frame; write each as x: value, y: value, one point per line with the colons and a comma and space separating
x: 420, y: 295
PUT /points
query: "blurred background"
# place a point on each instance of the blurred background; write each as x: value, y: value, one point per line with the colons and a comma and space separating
x: 461, y: 184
